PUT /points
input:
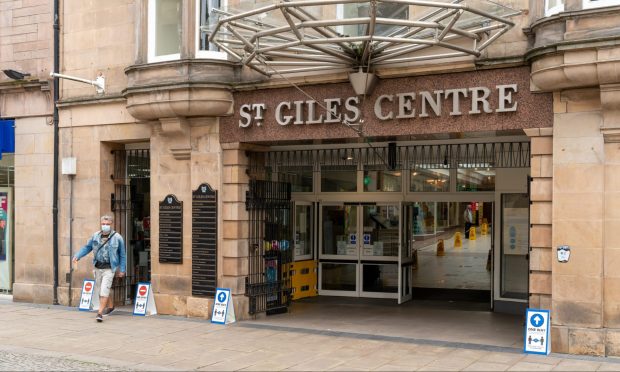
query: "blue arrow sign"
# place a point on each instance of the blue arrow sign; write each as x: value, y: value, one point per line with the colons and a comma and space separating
x: 221, y: 297
x: 537, y: 320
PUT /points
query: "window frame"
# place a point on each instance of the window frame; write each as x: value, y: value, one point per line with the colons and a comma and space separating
x: 589, y: 4
x: 206, y: 54
x: 553, y: 10
x: 151, y: 32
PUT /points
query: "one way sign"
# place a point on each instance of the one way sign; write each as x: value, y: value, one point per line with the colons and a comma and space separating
x: 536, y: 339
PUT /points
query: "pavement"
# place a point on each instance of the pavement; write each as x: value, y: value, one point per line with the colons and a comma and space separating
x: 45, y: 337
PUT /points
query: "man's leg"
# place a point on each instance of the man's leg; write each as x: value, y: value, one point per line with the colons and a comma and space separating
x: 104, y: 294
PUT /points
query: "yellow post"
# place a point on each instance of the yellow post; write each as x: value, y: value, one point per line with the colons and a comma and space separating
x: 440, y: 248
x: 458, y: 241
x: 484, y: 229
x: 472, y: 233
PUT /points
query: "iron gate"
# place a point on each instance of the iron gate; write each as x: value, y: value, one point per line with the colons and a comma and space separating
x: 128, y: 165
x: 268, y: 284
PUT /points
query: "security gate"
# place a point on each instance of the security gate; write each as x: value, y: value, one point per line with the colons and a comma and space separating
x: 268, y: 284
x: 131, y: 185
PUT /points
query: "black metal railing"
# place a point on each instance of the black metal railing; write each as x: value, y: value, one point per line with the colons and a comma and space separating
x: 268, y: 283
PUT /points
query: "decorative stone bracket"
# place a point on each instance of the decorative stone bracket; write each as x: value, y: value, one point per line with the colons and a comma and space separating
x: 610, y: 102
x: 178, y: 127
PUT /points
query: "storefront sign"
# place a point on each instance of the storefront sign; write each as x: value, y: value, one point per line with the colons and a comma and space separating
x: 406, y: 105
x: 536, y: 339
x: 145, y: 301
x: 204, y: 241
x: 87, y: 295
x: 171, y: 230
x: 223, y: 308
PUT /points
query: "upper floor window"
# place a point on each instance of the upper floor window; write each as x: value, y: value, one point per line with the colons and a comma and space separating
x: 587, y: 4
x: 553, y: 7
x: 384, y: 10
x: 164, y: 30
x: 204, y: 18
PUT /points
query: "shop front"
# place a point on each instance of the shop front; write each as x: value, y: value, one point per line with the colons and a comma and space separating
x: 427, y: 197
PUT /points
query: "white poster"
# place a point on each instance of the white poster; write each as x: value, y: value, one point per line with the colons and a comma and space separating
x: 536, y: 340
x: 86, y: 298
x: 516, y: 231
x: 145, y: 301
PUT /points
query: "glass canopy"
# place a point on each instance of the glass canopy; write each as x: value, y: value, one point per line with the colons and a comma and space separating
x: 303, y: 36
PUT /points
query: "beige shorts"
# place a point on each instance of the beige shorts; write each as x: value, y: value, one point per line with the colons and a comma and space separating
x: 103, y: 281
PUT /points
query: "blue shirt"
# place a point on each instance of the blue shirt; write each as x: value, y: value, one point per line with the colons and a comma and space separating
x: 115, y: 250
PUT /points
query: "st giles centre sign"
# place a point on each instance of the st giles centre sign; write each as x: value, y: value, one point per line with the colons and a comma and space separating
x: 422, y: 104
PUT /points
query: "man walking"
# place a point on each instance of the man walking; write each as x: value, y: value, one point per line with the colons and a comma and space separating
x: 108, y: 249
x: 468, y: 217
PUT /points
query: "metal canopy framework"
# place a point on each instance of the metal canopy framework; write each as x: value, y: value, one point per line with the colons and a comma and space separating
x: 305, y: 36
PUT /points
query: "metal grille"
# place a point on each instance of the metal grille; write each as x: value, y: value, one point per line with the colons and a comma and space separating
x: 268, y: 283
x: 446, y: 156
x: 128, y: 165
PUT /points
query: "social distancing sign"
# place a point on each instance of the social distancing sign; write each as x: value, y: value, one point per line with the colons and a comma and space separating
x: 145, y: 301
x: 87, y: 295
x: 537, y: 327
x: 223, y: 307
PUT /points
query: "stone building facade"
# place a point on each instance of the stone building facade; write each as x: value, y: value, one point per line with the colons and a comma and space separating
x: 184, y: 108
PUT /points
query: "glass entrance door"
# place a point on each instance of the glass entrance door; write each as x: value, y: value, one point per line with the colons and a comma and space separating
x: 359, y: 250
x: 406, y: 258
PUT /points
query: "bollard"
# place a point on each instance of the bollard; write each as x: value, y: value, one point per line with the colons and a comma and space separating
x: 472, y: 233
x: 440, y: 248
x: 484, y: 229
x: 458, y: 241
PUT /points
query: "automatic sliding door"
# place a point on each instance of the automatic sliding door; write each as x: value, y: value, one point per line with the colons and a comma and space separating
x: 339, y: 253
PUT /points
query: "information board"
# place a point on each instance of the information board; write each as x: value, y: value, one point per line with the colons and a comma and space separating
x: 87, y: 295
x: 223, y: 308
x: 145, y: 301
x: 204, y: 241
x: 536, y: 340
x: 171, y: 230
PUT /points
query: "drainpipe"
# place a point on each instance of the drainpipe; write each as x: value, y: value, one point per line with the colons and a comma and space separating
x: 56, y: 143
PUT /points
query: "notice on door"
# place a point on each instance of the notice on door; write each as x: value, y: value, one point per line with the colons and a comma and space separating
x: 536, y: 339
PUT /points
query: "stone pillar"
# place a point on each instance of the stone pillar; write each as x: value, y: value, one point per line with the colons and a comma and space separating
x: 170, y: 174
x: 235, y: 220
x: 541, y: 193
x: 610, y: 101
x: 578, y: 221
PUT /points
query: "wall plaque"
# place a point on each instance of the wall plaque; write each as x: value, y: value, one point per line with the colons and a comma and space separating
x: 204, y: 241
x: 171, y: 230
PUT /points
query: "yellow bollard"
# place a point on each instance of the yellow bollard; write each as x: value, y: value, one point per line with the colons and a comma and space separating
x: 484, y: 229
x: 440, y: 248
x: 472, y: 233
x: 458, y: 241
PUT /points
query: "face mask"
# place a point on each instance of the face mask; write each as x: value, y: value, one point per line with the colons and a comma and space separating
x: 106, y: 228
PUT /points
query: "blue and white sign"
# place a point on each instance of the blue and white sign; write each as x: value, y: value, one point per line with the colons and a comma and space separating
x: 352, y: 238
x: 145, y: 302
x: 87, y: 295
x: 367, y: 239
x: 223, y: 307
x: 537, y: 328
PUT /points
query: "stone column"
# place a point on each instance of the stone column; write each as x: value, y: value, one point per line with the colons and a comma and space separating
x: 578, y: 221
x: 170, y: 174
x: 610, y: 101
x: 235, y: 219
x: 541, y: 193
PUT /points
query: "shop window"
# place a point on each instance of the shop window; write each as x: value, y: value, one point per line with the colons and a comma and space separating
x: 382, y: 180
x: 587, y: 4
x: 476, y: 179
x: 205, y: 20
x: 164, y: 30
x: 430, y: 180
x: 384, y: 10
x: 300, y: 178
x: 339, y: 178
x: 381, y: 223
x: 553, y: 7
